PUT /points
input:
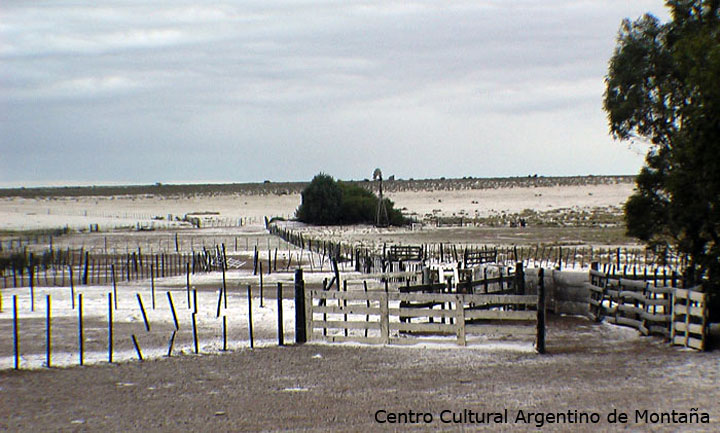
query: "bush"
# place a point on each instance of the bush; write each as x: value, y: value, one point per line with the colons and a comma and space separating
x: 327, y: 202
x: 321, y: 201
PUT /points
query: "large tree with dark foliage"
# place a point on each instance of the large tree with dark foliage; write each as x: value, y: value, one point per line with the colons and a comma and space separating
x: 663, y: 88
x: 328, y: 202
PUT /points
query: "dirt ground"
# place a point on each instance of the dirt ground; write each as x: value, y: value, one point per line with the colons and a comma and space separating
x: 320, y: 387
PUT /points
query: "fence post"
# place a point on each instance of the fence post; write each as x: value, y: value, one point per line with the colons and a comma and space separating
x: 384, y: 318
x: 540, y: 340
x: 281, y: 340
x: 519, y: 278
x: 16, y: 334
x: 81, y: 338
x: 460, y: 319
x: 48, y: 331
x: 110, y: 328
x: 300, y: 319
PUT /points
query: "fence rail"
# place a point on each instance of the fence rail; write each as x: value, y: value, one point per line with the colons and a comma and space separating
x: 637, y: 304
x: 689, y: 318
x: 680, y: 315
x: 395, y: 317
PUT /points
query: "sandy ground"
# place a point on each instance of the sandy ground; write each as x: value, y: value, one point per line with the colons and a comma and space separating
x: 126, y: 211
x: 320, y: 387
x: 485, y: 202
x: 592, y: 368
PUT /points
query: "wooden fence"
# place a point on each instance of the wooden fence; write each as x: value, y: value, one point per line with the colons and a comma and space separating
x: 645, y: 264
x: 65, y: 268
x: 680, y: 315
x: 689, y: 318
x: 637, y: 304
x: 380, y: 317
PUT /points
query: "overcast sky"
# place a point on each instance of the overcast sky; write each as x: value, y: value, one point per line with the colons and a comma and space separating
x: 130, y: 91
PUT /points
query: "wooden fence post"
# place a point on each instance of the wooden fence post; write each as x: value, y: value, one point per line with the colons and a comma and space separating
x: 540, y: 341
x: 261, y: 286
x: 110, y: 327
x: 172, y: 310
x: 281, y: 339
x: 16, y: 334
x: 519, y: 279
x: 300, y: 319
x: 250, y: 322
x: 460, y: 319
x: 384, y: 318
x: 48, y: 331
x: 81, y: 339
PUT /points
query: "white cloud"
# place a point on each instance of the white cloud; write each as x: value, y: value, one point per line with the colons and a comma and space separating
x: 305, y: 78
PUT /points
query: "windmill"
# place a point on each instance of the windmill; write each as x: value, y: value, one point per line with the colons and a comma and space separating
x: 381, y: 216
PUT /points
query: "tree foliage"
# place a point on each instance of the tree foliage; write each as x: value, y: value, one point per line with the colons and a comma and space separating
x: 328, y: 202
x: 663, y: 88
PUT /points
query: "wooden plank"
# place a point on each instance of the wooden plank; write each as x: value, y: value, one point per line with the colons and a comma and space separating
x: 422, y: 288
x: 500, y: 330
x: 500, y: 299
x: 659, y: 330
x: 420, y: 312
x: 476, y: 299
x: 637, y: 324
x: 632, y: 295
x: 500, y: 315
x: 661, y: 302
x: 349, y: 339
x: 694, y: 328
x: 656, y: 317
x: 409, y: 341
x: 681, y: 310
x: 335, y: 324
x: 690, y: 294
x: 694, y: 343
x: 347, y: 296
x: 422, y: 327
x: 594, y: 288
x: 594, y: 273
x: 421, y: 297
x: 350, y: 309
x: 632, y: 284
x: 383, y: 275
x: 660, y: 290
x: 630, y: 309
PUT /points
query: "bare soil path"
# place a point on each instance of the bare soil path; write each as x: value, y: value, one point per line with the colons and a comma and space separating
x: 319, y: 387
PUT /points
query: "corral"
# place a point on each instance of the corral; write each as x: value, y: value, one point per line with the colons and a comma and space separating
x: 181, y: 291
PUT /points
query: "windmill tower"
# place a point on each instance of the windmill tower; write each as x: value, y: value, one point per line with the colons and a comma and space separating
x: 381, y: 215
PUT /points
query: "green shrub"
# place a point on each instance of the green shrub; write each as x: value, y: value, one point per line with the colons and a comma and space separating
x: 327, y: 202
x: 321, y: 201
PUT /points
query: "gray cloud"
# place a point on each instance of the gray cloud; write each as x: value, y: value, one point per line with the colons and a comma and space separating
x: 237, y: 91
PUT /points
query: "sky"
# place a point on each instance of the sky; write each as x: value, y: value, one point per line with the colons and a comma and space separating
x: 129, y: 91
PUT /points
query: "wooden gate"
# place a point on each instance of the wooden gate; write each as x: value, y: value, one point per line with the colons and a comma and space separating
x: 379, y: 317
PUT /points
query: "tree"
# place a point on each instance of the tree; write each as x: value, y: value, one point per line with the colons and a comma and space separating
x: 663, y: 88
x: 327, y: 202
x: 321, y: 201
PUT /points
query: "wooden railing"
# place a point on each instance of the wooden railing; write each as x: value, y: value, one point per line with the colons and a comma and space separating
x: 680, y: 315
x: 689, y: 318
x: 380, y: 317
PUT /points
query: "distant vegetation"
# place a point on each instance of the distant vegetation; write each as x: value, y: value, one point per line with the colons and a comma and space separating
x: 285, y: 188
x: 326, y: 201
